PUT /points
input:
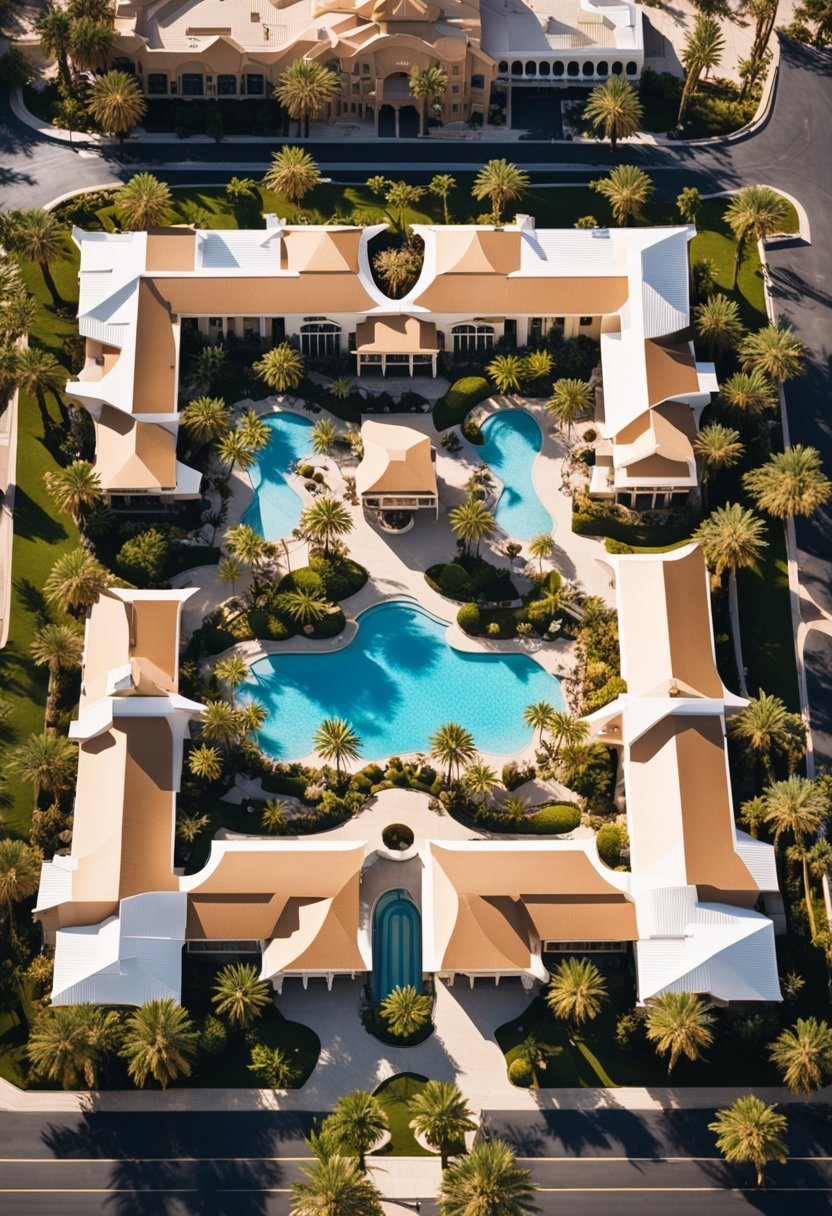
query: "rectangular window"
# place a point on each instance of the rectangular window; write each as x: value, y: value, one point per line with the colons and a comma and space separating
x: 192, y: 84
x: 455, y: 70
x: 365, y: 68
x: 226, y: 86
x: 478, y: 81
x: 586, y: 321
x: 583, y: 947
x: 454, y: 88
x: 157, y: 83
x: 255, y: 84
x: 455, y: 108
x: 223, y: 947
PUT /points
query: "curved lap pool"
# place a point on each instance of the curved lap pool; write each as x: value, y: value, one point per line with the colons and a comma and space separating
x: 395, y: 683
x: 512, y: 442
x: 276, y: 508
x: 397, y: 944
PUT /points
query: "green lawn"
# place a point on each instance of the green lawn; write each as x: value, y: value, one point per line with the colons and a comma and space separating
x: 395, y: 1095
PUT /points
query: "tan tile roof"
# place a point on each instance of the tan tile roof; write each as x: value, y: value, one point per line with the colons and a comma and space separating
x: 133, y: 456
x: 671, y: 369
x: 316, y: 252
x: 479, y: 251
x: 397, y: 460
x: 206, y: 295
x: 154, y: 379
x: 171, y: 249
x: 485, y: 295
x: 143, y: 630
x: 396, y: 336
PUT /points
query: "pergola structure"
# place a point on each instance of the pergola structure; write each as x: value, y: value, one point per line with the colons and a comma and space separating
x: 396, y: 342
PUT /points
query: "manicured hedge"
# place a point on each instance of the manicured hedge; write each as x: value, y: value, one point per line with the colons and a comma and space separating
x: 610, y: 841
x: 637, y: 535
x: 554, y: 819
x: 461, y: 397
x: 521, y: 1073
x: 469, y: 618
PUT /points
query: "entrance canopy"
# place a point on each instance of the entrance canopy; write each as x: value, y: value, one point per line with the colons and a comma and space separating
x: 400, y: 341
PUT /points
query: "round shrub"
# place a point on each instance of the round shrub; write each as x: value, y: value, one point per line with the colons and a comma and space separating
x: 472, y: 431
x: 306, y: 470
x: 551, y: 820
x: 493, y: 630
x: 318, y: 477
x: 468, y: 618
x: 276, y: 629
x: 397, y: 837
x: 307, y: 580
x: 521, y: 1073
x: 143, y: 558
x: 330, y: 626
x: 455, y: 582
x: 610, y: 841
x: 374, y: 773
x: 213, y: 1035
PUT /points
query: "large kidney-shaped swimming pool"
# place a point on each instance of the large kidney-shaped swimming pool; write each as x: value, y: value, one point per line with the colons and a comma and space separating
x: 395, y: 683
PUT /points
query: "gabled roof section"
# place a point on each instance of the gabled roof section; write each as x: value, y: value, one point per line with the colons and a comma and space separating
x: 133, y: 456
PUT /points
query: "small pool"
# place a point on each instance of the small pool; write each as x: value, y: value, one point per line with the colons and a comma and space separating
x: 397, y: 944
x: 277, y: 506
x: 395, y: 683
x: 512, y: 442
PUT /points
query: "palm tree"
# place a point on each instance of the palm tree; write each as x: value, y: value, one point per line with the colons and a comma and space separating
x: 306, y: 607
x: 116, y: 103
x: 732, y: 539
x: 252, y: 717
x: 91, y: 44
x: 406, y: 1011
x: 358, y: 1122
x: 247, y: 545
x: 442, y: 1117
x: 804, y: 1055
x: 443, y: 186
x: 748, y: 394
x: 19, y: 875
x: 427, y: 84
x: 38, y: 371
x: 334, y: 1186
x: 789, y: 483
x: 566, y: 730
x: 689, y: 204
x: 228, y: 572
x: 48, y: 761
x: 679, y: 1024
x: 472, y: 522
x: 537, y: 366
x: 304, y: 90
x: 614, y: 109
x: 507, y: 372
x: 570, y: 400
x: 59, y: 647
x: 206, y: 418
x: 74, y: 489
x: 539, y: 716
x: 453, y: 746
x: 254, y: 430
x: 799, y: 806
x: 281, y: 368
x: 716, y: 447
x: 38, y: 236
x: 76, y: 581
x: 540, y: 546
x: 206, y: 366
x: 324, y: 434
x: 397, y: 269
x: 325, y: 520
x: 748, y: 1130
x: 240, y: 995
x: 293, y: 173
x: 627, y: 188
x: 205, y: 762
x: 486, y: 1182
x: 233, y: 670
x: 754, y: 213
x: 763, y: 727
x: 220, y: 722
x: 69, y: 1043
x: 718, y: 323
x: 480, y: 779
x: 239, y: 188
x: 500, y: 182
x: 576, y: 991
x: 775, y: 352
x: 54, y: 29
x: 143, y: 202
x: 702, y: 53
x: 159, y: 1042
x: 336, y: 740
x: 234, y: 450
x: 400, y: 198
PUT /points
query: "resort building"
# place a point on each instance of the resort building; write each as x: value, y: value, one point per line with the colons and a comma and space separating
x: 479, y: 285
x: 698, y: 905
x: 238, y: 48
x: 397, y: 471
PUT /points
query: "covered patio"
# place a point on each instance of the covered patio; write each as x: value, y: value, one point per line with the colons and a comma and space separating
x: 403, y: 344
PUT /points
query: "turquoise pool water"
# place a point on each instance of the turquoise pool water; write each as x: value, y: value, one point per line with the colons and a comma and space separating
x: 512, y: 441
x: 397, y: 944
x: 395, y: 683
x: 276, y: 508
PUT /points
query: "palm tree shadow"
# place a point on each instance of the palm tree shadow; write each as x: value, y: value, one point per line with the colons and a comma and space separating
x: 32, y: 522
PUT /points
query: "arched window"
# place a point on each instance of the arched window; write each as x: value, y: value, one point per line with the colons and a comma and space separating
x: 517, y: 68
x: 602, y: 68
x: 588, y: 69
x: 531, y: 68
x: 319, y: 338
x: 557, y: 69
x: 617, y: 68
x: 632, y: 68
x: 573, y: 68
x: 503, y: 68
x: 472, y: 337
x: 544, y: 68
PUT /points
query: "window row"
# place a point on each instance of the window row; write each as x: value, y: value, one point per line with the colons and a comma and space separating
x: 195, y: 84
x: 545, y: 67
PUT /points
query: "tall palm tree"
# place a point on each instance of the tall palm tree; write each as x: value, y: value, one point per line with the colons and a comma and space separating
x: 480, y: 779
x: 789, y: 483
x: 326, y: 520
x: 74, y: 488
x: 717, y: 447
x: 19, y: 874
x: 48, y: 761
x: 38, y: 371
x: 229, y: 571
x: 206, y: 366
x: 232, y: 670
x: 538, y: 366
x: 292, y: 173
x: 336, y: 740
x: 160, y: 1042
x: 732, y: 539
x: 748, y: 394
x: 689, y: 204
x: 397, y: 269
x: 255, y: 430
x: 753, y: 214
x: 206, y: 418
x: 443, y: 186
x: 37, y: 235
x: 305, y: 89
x: 627, y: 189
x: 798, y: 806
x: 205, y: 762
x: 804, y: 1055
x: 508, y: 373
x: 539, y: 717
x: 453, y: 746
x: 427, y: 84
x: 60, y: 648
x: 473, y: 522
x: 749, y: 1130
x: 718, y: 323
x: 541, y: 546
x: 614, y: 109
x: 70, y: 1043
x: 54, y: 28
x: 406, y: 1010
x: 762, y: 726
x: 305, y: 606
x: 91, y: 44
x: 116, y: 103
x: 702, y: 53
x: 570, y: 400
x: 566, y: 730
x: 775, y: 351
x: 239, y: 188
x: 501, y: 183
x: 679, y: 1024
x: 324, y: 434
x: 220, y: 722
x: 335, y: 1186
x: 402, y: 197
x: 442, y: 1117
x: 235, y: 451
x: 281, y: 368
x: 76, y: 581
x: 143, y: 202
x: 576, y: 991
x: 252, y: 717
x: 240, y: 995
x: 486, y: 1182
x: 358, y: 1123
